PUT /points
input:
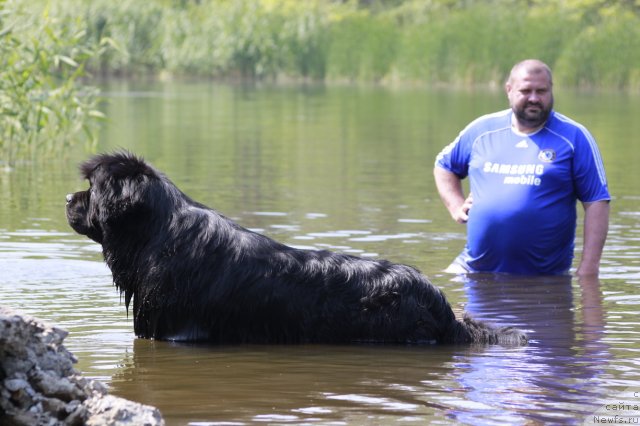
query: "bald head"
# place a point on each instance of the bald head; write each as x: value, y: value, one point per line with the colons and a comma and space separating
x: 531, y: 67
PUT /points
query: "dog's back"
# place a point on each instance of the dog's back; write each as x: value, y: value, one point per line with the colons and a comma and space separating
x: 194, y: 274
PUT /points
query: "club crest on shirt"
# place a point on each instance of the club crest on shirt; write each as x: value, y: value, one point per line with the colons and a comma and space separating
x: 547, y: 155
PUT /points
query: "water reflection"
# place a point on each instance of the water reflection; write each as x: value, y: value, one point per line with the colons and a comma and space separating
x: 554, y: 377
x: 285, y: 384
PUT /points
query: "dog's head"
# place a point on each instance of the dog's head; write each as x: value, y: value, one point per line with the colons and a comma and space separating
x: 123, y: 192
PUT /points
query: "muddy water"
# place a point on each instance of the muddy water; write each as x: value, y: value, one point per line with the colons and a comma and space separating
x: 348, y: 169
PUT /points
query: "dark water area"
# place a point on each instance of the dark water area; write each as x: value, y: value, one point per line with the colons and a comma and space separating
x: 346, y: 169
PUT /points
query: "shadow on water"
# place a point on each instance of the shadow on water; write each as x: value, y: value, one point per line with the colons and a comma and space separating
x: 284, y: 383
x: 547, y: 381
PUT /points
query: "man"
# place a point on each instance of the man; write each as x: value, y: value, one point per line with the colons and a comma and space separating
x: 527, y: 167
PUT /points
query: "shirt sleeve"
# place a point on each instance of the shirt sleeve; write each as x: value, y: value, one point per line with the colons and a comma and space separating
x: 589, y: 175
x: 455, y: 156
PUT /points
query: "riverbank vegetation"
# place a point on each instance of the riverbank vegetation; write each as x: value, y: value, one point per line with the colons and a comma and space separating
x: 49, y: 50
x: 42, y: 106
x: 593, y: 43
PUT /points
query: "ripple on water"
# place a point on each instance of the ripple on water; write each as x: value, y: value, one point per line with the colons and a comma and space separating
x: 75, y: 295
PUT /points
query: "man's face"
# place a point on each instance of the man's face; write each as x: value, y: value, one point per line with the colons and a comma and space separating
x: 530, y: 97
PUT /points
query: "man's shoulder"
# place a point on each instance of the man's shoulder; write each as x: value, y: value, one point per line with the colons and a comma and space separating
x: 565, y: 126
x: 489, y: 122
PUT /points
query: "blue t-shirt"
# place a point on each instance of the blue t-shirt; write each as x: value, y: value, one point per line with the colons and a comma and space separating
x: 525, y: 187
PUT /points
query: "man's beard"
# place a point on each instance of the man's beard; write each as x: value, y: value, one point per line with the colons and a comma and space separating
x: 532, y: 120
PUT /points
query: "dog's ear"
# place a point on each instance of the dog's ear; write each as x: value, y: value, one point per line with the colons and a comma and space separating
x: 122, y: 186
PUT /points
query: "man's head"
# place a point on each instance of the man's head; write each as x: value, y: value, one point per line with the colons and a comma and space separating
x: 529, y: 89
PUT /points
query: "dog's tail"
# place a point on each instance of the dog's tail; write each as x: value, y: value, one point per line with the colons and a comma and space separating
x: 472, y: 331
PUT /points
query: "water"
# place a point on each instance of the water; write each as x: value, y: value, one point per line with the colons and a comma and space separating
x: 346, y: 169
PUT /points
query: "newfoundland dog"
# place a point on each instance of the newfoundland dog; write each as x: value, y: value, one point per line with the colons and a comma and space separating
x: 195, y: 275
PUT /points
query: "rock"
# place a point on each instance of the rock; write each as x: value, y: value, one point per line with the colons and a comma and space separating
x: 117, y: 411
x: 39, y: 386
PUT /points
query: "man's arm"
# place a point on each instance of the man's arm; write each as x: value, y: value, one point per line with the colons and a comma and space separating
x: 450, y: 189
x: 596, y: 227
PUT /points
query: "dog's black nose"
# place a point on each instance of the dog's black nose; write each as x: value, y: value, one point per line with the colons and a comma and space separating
x: 69, y: 198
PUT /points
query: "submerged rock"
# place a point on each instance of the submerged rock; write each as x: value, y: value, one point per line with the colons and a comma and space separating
x: 39, y: 386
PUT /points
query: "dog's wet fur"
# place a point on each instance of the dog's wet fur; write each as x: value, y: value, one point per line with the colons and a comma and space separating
x: 195, y: 275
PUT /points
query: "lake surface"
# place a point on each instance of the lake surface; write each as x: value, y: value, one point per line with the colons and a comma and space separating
x: 347, y: 169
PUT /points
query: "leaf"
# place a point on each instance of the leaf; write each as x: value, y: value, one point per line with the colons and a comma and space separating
x: 67, y: 60
x: 97, y: 114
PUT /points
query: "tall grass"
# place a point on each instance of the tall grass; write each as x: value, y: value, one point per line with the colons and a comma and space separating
x: 439, y: 41
x: 42, y: 106
x: 480, y: 44
x: 47, y: 46
x: 361, y: 46
x: 607, y: 55
x: 430, y: 42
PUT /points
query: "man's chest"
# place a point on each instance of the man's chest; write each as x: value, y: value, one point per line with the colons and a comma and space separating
x: 512, y: 159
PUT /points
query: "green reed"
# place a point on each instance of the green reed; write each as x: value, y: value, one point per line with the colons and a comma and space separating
x: 46, y: 46
x: 404, y: 40
x: 607, y: 55
x: 43, y: 107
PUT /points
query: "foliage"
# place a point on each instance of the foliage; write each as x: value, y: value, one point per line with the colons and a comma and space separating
x: 436, y: 41
x: 608, y: 55
x: 47, y: 48
x: 363, y: 47
x: 42, y: 106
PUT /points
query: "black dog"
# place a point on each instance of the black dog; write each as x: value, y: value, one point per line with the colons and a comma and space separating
x: 195, y: 275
